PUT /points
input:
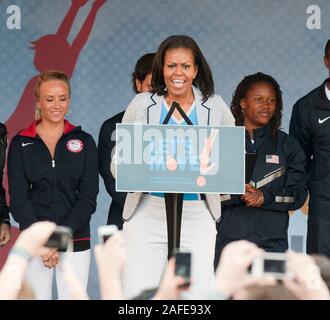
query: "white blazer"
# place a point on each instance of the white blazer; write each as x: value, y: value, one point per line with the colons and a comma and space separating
x: 146, y: 108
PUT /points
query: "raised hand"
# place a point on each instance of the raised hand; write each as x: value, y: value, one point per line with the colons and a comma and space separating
x: 99, y: 3
x: 204, y: 157
x: 169, y: 288
x: 33, y: 239
x: 110, y: 259
x: 79, y: 3
x: 306, y: 283
x: 75, y: 287
x: 232, y: 273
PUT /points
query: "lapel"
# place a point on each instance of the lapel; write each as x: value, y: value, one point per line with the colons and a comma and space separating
x: 323, y: 102
x: 155, y: 107
x: 202, y: 110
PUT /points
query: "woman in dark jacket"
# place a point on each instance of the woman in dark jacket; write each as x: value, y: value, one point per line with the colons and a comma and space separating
x: 278, y: 182
x: 53, y: 175
x: 5, y: 234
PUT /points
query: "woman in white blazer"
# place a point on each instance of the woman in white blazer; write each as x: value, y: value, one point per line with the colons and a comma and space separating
x: 180, y: 74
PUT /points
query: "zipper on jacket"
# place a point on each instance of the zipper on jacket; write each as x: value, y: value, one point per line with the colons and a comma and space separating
x: 53, y: 163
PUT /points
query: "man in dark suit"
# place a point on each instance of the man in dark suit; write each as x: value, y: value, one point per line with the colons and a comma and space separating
x: 141, y: 82
x: 310, y: 125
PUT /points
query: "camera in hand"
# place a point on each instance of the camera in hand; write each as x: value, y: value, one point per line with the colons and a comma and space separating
x: 183, y: 266
x: 60, y: 239
x: 105, y: 232
x: 272, y: 263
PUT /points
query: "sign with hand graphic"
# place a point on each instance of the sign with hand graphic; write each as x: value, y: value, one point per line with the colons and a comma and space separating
x: 181, y: 159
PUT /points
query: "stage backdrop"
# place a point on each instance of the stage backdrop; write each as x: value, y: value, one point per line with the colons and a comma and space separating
x: 98, y: 42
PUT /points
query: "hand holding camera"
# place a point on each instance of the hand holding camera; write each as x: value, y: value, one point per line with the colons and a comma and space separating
x: 306, y: 281
x: 174, y: 279
x: 60, y: 240
x: 110, y: 256
x: 33, y: 239
x: 271, y: 263
x: 232, y: 273
x: 183, y: 267
x: 105, y: 232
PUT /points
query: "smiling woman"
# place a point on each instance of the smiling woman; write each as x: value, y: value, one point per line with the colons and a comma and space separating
x: 53, y: 93
x: 53, y: 175
x: 278, y: 182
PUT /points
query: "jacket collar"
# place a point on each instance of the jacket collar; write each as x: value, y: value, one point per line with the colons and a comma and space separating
x: 31, y: 131
x: 324, y: 102
x: 262, y: 132
x: 202, y: 109
x: 260, y: 135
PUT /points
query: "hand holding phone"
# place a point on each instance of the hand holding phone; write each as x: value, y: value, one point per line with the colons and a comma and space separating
x: 183, y: 266
x: 105, y: 232
x: 61, y: 239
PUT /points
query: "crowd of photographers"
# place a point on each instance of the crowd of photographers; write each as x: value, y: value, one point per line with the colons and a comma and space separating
x: 305, y: 277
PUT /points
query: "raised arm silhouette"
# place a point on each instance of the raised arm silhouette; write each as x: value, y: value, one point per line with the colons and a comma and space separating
x: 53, y: 52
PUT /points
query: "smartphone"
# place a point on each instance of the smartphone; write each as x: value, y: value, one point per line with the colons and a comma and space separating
x: 61, y: 239
x: 183, y: 266
x: 105, y: 232
x: 272, y: 263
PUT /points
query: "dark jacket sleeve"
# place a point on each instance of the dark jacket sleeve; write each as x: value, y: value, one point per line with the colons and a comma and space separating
x: 105, y: 146
x: 20, y: 204
x: 293, y: 193
x: 231, y: 200
x: 85, y: 205
x: 4, y: 212
x: 299, y: 129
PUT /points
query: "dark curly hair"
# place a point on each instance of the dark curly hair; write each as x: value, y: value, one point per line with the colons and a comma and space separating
x: 244, y: 86
x: 142, y: 68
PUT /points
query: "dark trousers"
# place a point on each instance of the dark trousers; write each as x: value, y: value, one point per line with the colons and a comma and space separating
x: 318, y: 237
x: 269, y: 245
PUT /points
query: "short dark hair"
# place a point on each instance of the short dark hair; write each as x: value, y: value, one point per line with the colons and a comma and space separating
x: 142, y: 68
x: 244, y: 86
x: 203, y: 80
x: 327, y: 49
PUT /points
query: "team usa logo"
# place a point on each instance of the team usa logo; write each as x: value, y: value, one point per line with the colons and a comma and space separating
x: 74, y: 145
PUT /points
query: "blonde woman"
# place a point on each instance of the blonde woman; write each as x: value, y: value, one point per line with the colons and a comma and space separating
x: 53, y: 175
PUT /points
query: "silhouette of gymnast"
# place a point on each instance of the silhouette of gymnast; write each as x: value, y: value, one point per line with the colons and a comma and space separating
x: 53, y: 52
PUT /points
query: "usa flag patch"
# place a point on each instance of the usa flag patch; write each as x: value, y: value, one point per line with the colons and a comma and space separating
x: 272, y: 158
